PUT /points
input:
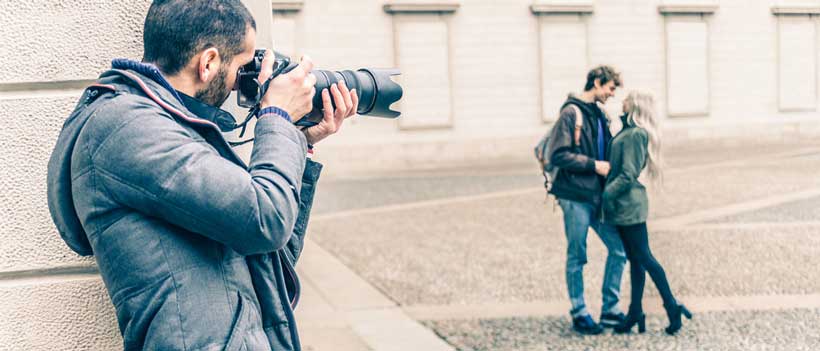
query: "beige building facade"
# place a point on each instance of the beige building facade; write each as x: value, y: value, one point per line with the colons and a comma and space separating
x: 482, y: 78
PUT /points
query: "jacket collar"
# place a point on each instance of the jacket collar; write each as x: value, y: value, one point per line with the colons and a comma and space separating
x: 625, y: 121
x: 223, y: 119
x: 192, y: 107
x: 146, y: 70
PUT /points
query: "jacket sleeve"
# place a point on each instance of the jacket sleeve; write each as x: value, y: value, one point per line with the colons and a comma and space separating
x: 562, y: 154
x: 633, y: 158
x: 156, y: 167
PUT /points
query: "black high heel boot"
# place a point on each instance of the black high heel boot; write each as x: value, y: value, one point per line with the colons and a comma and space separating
x: 674, y: 313
x: 631, y: 320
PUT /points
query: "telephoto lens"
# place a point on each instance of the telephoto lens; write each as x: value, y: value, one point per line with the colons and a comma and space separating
x: 374, y: 87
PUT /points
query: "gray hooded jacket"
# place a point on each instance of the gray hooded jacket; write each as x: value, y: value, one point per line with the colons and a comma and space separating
x: 195, y: 248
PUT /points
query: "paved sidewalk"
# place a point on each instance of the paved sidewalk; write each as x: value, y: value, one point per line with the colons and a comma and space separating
x: 472, y: 258
x: 340, y: 311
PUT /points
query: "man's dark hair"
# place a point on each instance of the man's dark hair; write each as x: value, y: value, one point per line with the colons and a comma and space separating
x: 176, y: 30
x: 605, y: 74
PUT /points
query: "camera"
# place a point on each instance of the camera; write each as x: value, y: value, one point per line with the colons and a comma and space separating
x: 374, y: 87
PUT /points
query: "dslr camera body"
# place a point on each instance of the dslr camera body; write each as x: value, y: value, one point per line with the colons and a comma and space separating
x: 374, y: 87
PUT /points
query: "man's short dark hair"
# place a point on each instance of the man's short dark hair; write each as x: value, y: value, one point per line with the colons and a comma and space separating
x: 176, y: 30
x: 605, y: 74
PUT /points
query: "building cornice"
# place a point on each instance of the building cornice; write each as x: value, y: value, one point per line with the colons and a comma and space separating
x: 688, y: 9
x: 795, y: 10
x: 287, y: 5
x: 561, y: 7
x: 404, y: 7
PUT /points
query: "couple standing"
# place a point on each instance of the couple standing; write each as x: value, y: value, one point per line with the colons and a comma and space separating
x: 597, y: 186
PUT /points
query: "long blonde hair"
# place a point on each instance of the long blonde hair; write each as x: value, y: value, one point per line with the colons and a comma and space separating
x: 642, y: 113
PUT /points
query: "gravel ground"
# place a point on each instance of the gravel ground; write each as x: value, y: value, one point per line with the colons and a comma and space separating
x: 790, y: 330
x: 502, y: 251
x: 512, y: 249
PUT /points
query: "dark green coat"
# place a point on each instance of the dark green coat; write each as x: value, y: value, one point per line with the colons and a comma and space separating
x: 625, y: 200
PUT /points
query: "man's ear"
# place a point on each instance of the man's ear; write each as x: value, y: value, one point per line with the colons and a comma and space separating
x: 208, y: 66
x: 598, y: 83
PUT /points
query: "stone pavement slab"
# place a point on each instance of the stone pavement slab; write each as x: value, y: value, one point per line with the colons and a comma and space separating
x: 341, y: 312
x: 687, y: 191
x: 795, y: 211
x: 345, y: 195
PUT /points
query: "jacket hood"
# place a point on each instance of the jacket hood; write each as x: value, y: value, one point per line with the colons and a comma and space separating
x: 58, y: 180
x: 571, y: 97
x: 590, y: 109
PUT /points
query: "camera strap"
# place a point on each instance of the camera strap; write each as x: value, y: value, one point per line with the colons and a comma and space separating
x: 263, y: 88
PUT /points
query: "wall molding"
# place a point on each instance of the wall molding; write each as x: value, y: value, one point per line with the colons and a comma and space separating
x: 795, y: 10
x: 404, y: 7
x: 50, y: 85
x: 287, y: 5
x: 688, y: 9
x: 69, y: 271
x: 561, y: 8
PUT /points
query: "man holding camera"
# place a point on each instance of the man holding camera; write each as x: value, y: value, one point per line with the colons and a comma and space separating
x: 195, y: 247
x: 578, y: 149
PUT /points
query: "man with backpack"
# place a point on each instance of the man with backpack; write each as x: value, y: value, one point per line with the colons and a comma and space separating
x: 576, y: 148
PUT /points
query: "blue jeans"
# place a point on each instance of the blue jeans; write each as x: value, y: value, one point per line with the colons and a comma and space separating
x: 578, y: 218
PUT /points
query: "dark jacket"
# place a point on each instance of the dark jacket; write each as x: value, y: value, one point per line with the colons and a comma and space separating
x: 195, y: 248
x: 576, y: 179
x: 625, y: 199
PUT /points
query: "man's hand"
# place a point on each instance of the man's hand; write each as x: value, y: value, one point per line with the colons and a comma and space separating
x: 347, y: 103
x: 293, y: 91
x: 602, y: 168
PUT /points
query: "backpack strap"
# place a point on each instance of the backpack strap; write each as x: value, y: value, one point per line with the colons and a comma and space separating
x: 579, y: 123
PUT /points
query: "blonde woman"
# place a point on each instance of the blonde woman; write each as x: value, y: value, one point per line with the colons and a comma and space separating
x: 636, y: 148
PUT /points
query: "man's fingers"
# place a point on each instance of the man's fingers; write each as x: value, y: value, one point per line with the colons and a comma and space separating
x: 327, y: 104
x: 306, y: 63
x: 309, y: 81
x: 267, y: 66
x: 348, y: 99
x: 302, y: 71
x: 355, y: 98
x: 297, y: 75
x: 338, y: 98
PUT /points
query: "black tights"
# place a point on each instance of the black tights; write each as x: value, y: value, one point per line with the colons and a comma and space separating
x: 636, y: 245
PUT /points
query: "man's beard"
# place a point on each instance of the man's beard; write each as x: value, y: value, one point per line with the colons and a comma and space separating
x: 217, y: 91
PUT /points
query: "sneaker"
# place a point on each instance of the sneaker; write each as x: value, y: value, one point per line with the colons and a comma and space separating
x: 586, y: 325
x: 612, y: 320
